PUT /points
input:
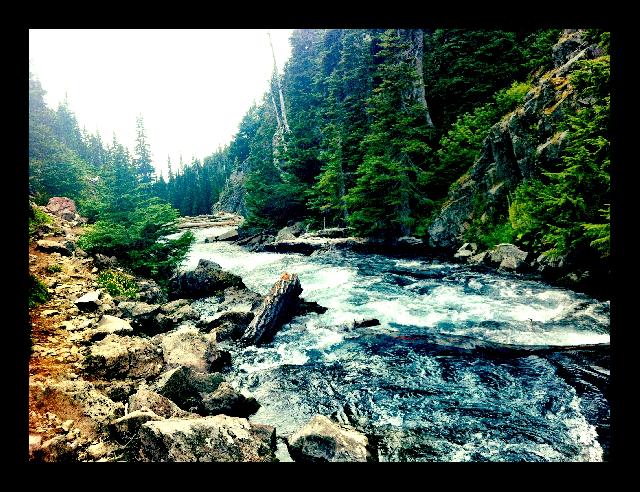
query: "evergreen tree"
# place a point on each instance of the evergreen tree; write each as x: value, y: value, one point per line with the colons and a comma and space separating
x: 142, y: 159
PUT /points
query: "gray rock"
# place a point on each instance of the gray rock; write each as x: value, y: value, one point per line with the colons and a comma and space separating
x: 108, y: 325
x: 228, y: 325
x: 141, y: 314
x: 103, y: 262
x: 177, y: 385
x: 285, y: 234
x: 506, y: 256
x: 127, y: 427
x: 466, y: 251
x: 150, y: 292
x: 146, y: 400
x: 89, y: 301
x: 225, y: 236
x: 187, y: 347
x: 226, y: 400
x: 477, y: 259
x: 206, y: 280
x: 173, y: 306
x: 217, y: 438
x: 53, y: 247
x: 167, y: 321
x: 322, y: 440
x: 410, y: 241
x: 123, y: 357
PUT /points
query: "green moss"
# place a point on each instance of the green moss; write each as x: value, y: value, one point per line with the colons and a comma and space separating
x: 118, y: 283
x: 54, y: 268
x: 37, y: 219
x: 38, y: 293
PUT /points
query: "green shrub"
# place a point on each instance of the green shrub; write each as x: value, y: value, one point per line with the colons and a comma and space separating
x: 38, y: 292
x: 37, y: 218
x: 54, y: 268
x: 118, y: 283
x: 510, y: 98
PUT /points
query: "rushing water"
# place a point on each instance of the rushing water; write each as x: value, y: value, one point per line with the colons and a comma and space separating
x: 436, y: 381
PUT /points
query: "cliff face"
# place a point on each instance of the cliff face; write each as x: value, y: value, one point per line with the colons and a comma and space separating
x: 232, y: 197
x: 517, y: 147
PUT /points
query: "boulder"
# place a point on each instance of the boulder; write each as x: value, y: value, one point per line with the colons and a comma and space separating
x: 47, y: 246
x: 229, y: 325
x: 467, y: 250
x: 63, y: 207
x: 187, y: 347
x: 478, y: 259
x: 226, y: 400
x: 89, y: 302
x: 217, y: 438
x: 225, y: 236
x: 57, y: 450
x: 322, y: 440
x: 409, y: 241
x: 150, y: 292
x: 206, y: 280
x: 103, y: 262
x: 177, y: 385
x: 123, y: 357
x: 146, y: 400
x: 506, y: 256
x: 142, y: 315
x: 108, y: 325
x: 166, y: 321
x: 127, y: 427
x: 276, y: 308
x: 217, y: 359
x: 365, y: 323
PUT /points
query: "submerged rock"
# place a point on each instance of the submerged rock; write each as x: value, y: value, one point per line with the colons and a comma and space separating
x: 322, y: 440
x: 217, y: 438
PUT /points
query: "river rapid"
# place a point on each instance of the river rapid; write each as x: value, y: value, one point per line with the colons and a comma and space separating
x: 464, y: 366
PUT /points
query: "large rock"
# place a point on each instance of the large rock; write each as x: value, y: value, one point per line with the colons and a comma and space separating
x: 142, y: 316
x: 127, y: 427
x: 217, y: 438
x: 290, y: 232
x: 146, y: 400
x: 47, y: 246
x: 78, y: 400
x: 322, y: 440
x: 226, y: 400
x: 506, y: 256
x: 124, y: 357
x: 150, y: 292
x: 63, y: 207
x: 276, y: 308
x: 188, y: 347
x: 89, y: 302
x: 225, y: 236
x: 104, y: 262
x: 168, y: 319
x: 177, y: 385
x: 206, y: 280
x: 229, y: 325
x: 467, y: 250
x: 108, y: 325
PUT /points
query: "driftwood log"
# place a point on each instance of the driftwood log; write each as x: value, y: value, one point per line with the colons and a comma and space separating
x: 277, y: 306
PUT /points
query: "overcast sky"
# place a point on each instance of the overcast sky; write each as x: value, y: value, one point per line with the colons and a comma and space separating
x: 191, y: 86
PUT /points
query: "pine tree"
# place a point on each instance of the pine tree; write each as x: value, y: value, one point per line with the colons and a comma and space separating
x: 142, y: 159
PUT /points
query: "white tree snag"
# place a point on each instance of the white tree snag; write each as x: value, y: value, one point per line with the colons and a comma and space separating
x: 417, y: 40
x: 275, y: 68
x: 276, y: 307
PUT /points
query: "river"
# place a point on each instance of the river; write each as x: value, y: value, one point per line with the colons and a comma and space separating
x: 447, y: 375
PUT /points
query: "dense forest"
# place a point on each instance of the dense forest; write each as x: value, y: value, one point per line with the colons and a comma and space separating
x: 373, y: 130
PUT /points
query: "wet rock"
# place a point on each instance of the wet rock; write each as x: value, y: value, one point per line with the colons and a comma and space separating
x: 217, y: 438
x: 177, y: 385
x: 366, y: 323
x: 322, y: 440
x: 47, y: 246
x: 121, y: 357
x: 186, y: 347
x: 150, y: 292
x: 467, y: 250
x: 89, y: 302
x: 146, y: 400
x: 206, y: 280
x: 225, y: 236
x: 226, y: 400
x: 142, y: 315
x: 478, y: 259
x: 109, y: 325
x: 217, y: 359
x: 229, y: 325
x: 127, y: 427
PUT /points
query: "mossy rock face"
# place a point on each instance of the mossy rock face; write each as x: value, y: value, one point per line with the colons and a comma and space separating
x: 38, y: 293
x: 206, y: 280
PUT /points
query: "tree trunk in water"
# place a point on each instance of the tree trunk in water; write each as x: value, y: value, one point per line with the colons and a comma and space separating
x: 417, y: 38
x: 276, y: 307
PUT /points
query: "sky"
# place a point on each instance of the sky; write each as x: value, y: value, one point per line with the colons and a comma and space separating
x: 191, y: 86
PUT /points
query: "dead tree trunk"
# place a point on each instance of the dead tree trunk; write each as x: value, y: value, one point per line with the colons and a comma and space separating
x: 276, y: 307
x: 417, y: 40
x: 282, y: 109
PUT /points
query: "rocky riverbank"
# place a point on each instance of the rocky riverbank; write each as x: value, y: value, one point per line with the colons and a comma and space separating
x: 143, y: 378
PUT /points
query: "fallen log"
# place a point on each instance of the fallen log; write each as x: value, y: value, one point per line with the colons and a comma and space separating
x: 276, y: 308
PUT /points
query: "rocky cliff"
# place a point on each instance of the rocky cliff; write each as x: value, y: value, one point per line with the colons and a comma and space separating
x: 231, y: 199
x: 517, y: 147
